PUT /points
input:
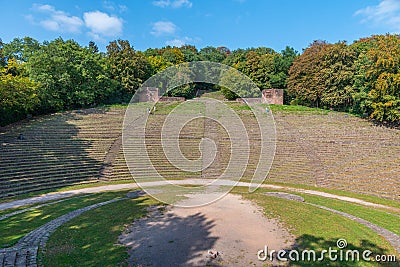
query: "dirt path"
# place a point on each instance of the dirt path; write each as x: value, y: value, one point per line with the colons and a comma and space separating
x: 183, y: 236
x: 115, y: 187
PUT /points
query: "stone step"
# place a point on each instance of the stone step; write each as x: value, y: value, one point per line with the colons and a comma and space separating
x: 10, y: 258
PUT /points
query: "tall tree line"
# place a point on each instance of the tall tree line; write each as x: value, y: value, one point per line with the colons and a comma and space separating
x: 362, y: 78
x: 38, y: 78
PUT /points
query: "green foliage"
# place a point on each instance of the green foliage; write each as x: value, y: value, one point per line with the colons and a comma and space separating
x: 18, y: 94
x: 323, y: 76
x: 362, y: 78
x: 190, y: 53
x: 378, y: 77
x: 173, y: 55
x: 21, y: 48
x: 158, y: 63
x: 282, y: 64
x: 338, y: 77
x: 70, y: 75
x: 128, y: 67
x: 228, y: 94
x: 259, y: 67
x: 305, y: 79
x: 234, y: 85
x: 267, y: 68
x: 2, y: 57
x: 182, y: 83
x: 212, y: 54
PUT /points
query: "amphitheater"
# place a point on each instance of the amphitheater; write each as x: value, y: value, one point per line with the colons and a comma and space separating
x: 314, y: 149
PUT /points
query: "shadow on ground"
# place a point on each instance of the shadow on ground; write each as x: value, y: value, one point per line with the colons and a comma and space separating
x: 50, y: 152
x: 317, y: 244
x: 170, y: 240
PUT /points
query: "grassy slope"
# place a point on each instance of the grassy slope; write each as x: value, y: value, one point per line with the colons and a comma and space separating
x: 319, y: 229
x: 91, y: 239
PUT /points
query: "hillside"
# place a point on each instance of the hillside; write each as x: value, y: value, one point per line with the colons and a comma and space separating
x: 316, y: 148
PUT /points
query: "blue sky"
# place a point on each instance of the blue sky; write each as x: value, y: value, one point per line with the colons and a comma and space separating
x: 231, y: 23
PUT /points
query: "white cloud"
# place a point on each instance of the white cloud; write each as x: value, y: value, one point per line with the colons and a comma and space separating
x: 163, y: 28
x: 386, y: 13
x: 50, y: 25
x: 173, y: 3
x: 98, y: 24
x: 180, y: 42
x: 175, y: 42
x: 57, y: 20
x: 111, y: 6
x: 101, y: 24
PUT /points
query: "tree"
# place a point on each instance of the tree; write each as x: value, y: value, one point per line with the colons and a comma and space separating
x: 2, y: 56
x: 181, y: 82
x: 263, y: 65
x: 337, y: 76
x: 18, y: 94
x: 236, y: 58
x: 234, y: 84
x: 158, y: 63
x: 21, y: 48
x: 378, y: 77
x: 190, y: 53
x: 93, y: 47
x: 282, y: 64
x: 128, y: 67
x: 70, y: 75
x: 212, y: 54
x: 173, y: 55
x: 323, y: 76
x: 152, y: 52
x: 304, y: 82
x: 260, y: 68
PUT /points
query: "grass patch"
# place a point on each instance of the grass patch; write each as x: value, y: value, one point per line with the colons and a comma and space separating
x: 216, y: 95
x: 17, y: 226
x: 381, y: 218
x: 26, y: 195
x: 318, y: 229
x: 188, y: 107
x: 372, y: 199
x: 297, y: 109
x: 91, y: 239
x: 237, y: 106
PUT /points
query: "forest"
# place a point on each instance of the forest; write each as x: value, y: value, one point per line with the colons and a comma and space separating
x: 38, y: 78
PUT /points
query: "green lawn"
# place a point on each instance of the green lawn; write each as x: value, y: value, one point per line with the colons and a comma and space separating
x: 368, y: 198
x: 297, y: 109
x: 319, y: 229
x: 15, y: 227
x: 91, y: 239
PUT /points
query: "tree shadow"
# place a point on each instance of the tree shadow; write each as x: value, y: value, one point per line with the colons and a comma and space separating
x: 344, y: 257
x: 51, y: 152
x: 171, y: 240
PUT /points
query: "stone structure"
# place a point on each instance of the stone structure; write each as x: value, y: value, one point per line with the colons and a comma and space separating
x: 148, y: 94
x: 272, y: 96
